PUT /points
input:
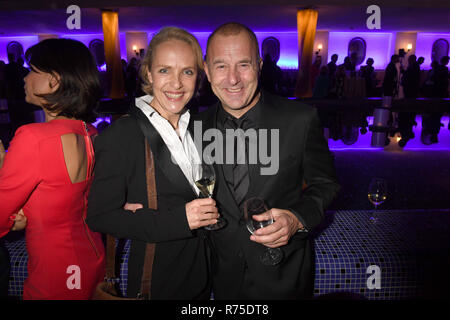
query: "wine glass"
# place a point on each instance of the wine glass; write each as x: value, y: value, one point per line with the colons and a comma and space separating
x: 205, y: 179
x: 377, y: 193
x: 255, y: 206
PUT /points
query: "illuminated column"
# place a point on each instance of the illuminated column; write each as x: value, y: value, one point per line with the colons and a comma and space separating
x: 110, y: 21
x: 306, y: 28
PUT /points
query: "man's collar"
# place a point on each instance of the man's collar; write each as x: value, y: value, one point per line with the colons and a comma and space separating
x: 253, y: 114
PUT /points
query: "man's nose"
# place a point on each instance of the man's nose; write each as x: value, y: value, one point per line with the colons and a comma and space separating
x: 234, y: 76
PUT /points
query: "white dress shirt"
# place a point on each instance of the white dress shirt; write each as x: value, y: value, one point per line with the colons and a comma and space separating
x: 181, y: 146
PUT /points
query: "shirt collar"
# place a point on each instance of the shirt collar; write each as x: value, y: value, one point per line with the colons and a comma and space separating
x: 253, y: 115
x: 143, y: 103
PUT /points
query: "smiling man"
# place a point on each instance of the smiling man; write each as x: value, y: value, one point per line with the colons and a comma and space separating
x: 232, y: 66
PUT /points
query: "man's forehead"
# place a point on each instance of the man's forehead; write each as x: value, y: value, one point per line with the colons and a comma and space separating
x: 234, y: 45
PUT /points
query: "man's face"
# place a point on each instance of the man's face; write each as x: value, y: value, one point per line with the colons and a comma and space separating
x: 232, y: 68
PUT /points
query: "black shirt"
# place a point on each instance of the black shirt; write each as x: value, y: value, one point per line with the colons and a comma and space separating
x: 224, y: 121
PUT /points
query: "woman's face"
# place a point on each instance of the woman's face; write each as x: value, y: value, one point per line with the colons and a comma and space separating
x: 38, y: 82
x: 173, y: 76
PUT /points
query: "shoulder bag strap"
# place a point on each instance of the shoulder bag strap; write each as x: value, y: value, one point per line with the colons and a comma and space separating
x: 152, y: 204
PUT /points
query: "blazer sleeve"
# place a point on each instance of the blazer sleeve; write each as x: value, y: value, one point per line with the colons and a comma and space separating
x: 108, y: 195
x: 319, y: 175
x: 18, y: 176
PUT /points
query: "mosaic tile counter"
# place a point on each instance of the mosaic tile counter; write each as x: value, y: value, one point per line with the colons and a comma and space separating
x: 359, y: 255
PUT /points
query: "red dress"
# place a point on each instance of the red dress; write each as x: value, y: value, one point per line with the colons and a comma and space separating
x: 65, y: 258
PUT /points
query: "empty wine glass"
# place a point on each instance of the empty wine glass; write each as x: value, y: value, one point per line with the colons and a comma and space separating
x: 377, y: 194
x: 255, y: 206
x: 377, y: 191
x: 205, y: 179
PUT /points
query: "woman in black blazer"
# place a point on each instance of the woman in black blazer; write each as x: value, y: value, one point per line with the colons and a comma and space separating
x: 118, y: 197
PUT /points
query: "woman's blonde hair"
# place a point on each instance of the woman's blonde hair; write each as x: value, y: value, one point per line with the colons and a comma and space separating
x: 165, y: 34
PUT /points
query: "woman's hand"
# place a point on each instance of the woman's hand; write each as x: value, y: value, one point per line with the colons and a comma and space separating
x: 201, y: 213
x: 133, y: 206
x: 2, y: 153
x: 20, y: 221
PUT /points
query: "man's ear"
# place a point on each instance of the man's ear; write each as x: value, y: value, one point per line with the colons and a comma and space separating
x: 260, y: 64
x: 205, y: 67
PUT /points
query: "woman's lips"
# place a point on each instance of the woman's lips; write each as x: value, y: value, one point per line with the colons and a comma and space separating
x: 174, y: 96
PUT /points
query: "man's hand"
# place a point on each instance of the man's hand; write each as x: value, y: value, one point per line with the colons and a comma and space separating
x: 20, y: 221
x: 278, y: 233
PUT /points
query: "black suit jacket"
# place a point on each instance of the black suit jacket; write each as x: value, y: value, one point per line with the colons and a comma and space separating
x: 180, y: 269
x: 303, y: 156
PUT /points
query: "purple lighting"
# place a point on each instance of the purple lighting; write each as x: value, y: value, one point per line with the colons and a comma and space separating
x: 101, y: 119
x: 363, y: 142
x: 380, y: 46
x: 25, y: 41
x: 425, y: 45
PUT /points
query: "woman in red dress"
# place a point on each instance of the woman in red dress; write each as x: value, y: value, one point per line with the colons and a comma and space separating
x: 47, y: 172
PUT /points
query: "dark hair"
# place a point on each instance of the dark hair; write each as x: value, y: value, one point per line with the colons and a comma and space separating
x: 233, y: 29
x: 72, y: 63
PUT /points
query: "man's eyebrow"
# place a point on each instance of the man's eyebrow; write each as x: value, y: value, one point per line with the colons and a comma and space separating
x: 240, y: 61
x: 218, y: 61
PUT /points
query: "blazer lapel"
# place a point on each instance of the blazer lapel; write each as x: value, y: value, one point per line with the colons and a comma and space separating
x: 267, y: 120
x: 222, y: 193
x: 162, y: 154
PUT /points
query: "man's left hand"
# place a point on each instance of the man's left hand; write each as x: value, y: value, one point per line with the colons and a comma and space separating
x: 278, y: 233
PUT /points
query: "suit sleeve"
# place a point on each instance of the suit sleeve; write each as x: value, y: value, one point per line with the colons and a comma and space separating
x: 18, y: 176
x: 108, y: 195
x: 320, y: 177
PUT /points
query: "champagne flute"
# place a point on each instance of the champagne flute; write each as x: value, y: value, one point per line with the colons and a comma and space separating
x: 205, y: 179
x: 255, y: 206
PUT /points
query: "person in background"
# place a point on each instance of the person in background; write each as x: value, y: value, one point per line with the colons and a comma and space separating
x: 131, y: 78
x: 368, y: 74
x: 391, y: 75
x: 315, y: 70
x: 322, y: 84
x: 411, y: 85
x: 332, y: 65
x: 435, y: 86
x: 47, y: 172
x: 271, y: 75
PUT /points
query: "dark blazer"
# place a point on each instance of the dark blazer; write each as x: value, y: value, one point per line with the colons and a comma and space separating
x: 304, y: 156
x: 180, y: 269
